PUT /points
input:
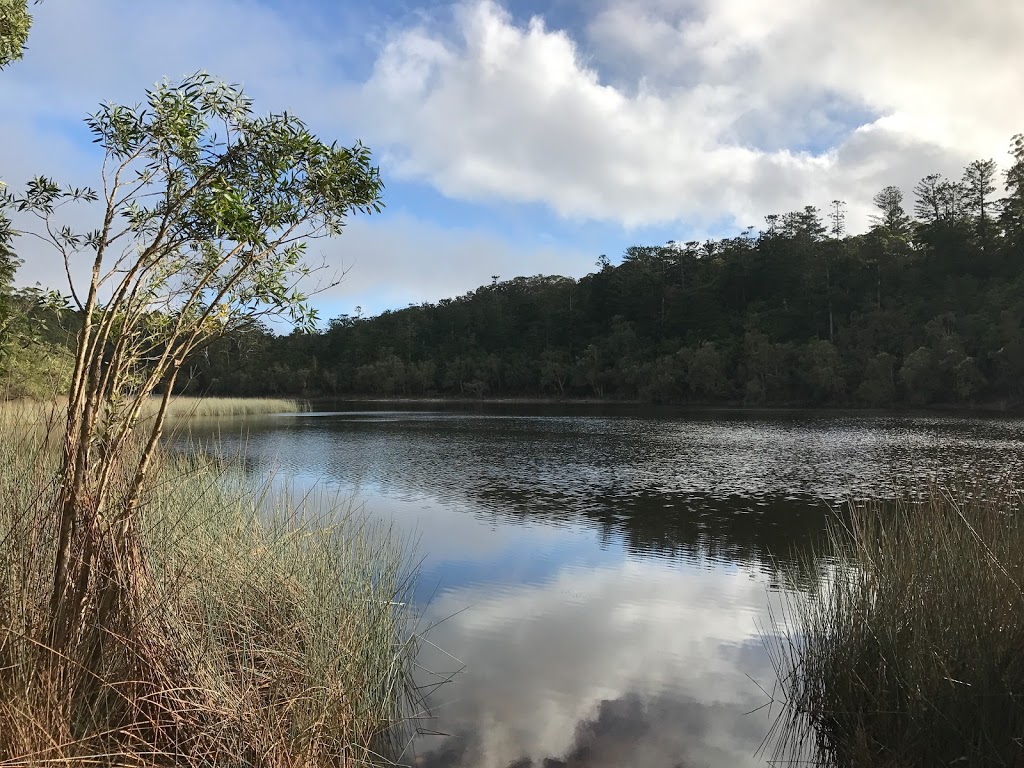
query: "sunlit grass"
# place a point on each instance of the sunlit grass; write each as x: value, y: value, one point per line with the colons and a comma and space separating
x: 208, y: 407
x: 27, y: 411
x: 912, y: 653
x: 279, y: 632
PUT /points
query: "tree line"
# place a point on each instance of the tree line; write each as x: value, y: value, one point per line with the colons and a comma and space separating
x: 925, y: 307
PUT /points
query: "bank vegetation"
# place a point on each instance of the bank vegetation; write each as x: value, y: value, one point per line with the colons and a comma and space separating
x: 910, y: 653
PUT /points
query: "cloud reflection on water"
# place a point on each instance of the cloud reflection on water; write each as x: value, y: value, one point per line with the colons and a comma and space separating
x: 603, y: 572
x: 639, y: 664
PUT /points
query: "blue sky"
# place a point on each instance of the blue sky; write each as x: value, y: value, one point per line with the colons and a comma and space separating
x: 532, y: 137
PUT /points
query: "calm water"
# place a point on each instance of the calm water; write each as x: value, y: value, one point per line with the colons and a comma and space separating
x: 602, y: 575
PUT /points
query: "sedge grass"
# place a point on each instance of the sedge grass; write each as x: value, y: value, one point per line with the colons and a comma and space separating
x: 912, y: 652
x: 275, y: 635
x: 29, y: 411
x: 224, y: 407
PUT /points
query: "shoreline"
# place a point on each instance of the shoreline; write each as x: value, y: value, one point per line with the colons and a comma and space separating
x: 950, y: 409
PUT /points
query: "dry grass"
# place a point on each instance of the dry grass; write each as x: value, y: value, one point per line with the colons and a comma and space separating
x: 211, y: 407
x: 912, y: 653
x: 27, y: 411
x: 274, y: 636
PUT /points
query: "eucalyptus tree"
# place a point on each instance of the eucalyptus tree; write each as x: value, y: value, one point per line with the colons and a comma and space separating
x: 204, y: 214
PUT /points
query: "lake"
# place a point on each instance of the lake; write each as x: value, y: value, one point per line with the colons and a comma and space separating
x: 601, y: 577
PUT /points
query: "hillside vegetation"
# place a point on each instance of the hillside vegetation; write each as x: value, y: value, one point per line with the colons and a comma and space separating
x: 923, y: 308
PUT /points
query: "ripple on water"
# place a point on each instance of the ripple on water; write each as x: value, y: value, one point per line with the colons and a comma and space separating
x: 602, y: 576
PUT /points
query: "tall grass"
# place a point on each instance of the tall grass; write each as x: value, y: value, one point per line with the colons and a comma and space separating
x: 31, y: 411
x: 912, y: 652
x: 208, y: 407
x: 275, y: 635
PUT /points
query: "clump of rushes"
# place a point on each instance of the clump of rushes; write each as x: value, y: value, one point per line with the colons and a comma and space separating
x: 220, y: 407
x: 273, y: 636
x: 41, y: 412
x: 912, y: 652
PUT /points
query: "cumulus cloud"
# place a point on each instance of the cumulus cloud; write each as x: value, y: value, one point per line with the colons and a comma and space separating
x: 90, y: 52
x: 683, y: 113
x: 403, y: 258
x: 708, y: 102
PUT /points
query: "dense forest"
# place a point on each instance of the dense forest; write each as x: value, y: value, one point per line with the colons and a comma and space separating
x: 926, y: 307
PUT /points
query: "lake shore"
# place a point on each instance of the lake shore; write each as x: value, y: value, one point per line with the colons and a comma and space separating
x: 236, y: 651
x: 570, y: 544
x: 974, y: 409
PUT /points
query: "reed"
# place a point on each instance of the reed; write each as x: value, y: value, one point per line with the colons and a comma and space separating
x: 30, y: 411
x: 220, y: 407
x: 911, y: 652
x: 276, y: 634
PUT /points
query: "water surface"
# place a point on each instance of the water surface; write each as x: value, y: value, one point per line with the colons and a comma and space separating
x: 602, y: 577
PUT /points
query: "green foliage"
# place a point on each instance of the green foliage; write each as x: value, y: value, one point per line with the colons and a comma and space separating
x: 554, y: 371
x: 205, y: 213
x: 878, y: 386
x: 238, y: 195
x: 35, y: 356
x: 767, y: 366
x: 386, y: 376
x: 908, y: 653
x: 1013, y: 203
x: 38, y: 371
x: 822, y: 366
x: 919, y: 311
x: 920, y: 376
x: 15, y: 23
x: 706, y: 372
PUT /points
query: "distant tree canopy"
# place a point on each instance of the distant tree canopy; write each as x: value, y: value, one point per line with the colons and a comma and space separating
x: 923, y: 308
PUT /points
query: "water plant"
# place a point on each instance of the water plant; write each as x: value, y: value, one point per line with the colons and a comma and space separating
x: 25, y: 410
x: 910, y: 652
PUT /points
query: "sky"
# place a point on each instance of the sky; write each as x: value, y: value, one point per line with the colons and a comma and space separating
x: 520, y: 138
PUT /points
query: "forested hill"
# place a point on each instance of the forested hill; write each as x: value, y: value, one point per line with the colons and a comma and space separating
x: 926, y: 307
x: 920, y: 309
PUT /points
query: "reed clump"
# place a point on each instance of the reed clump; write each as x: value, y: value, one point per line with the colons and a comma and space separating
x: 32, y: 411
x: 224, y: 407
x: 912, y: 652
x: 273, y: 635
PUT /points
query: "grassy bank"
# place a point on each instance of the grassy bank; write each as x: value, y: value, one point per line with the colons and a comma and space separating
x: 223, y: 407
x: 24, y: 411
x: 273, y: 635
x: 912, y: 654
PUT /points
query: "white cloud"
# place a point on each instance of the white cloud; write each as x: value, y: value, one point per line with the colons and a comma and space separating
x: 384, y: 262
x: 498, y: 111
x: 540, y: 660
x: 677, y: 112
x: 310, y: 462
x: 401, y: 258
x: 89, y: 52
